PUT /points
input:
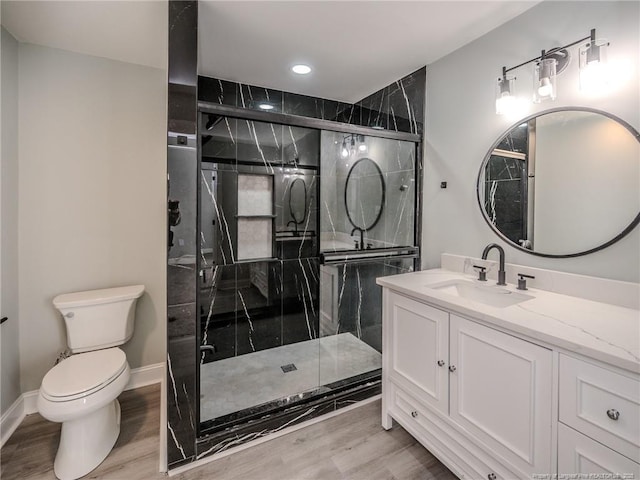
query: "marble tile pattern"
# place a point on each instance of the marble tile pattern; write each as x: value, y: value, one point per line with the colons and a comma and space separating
x: 604, y: 332
x: 182, y: 164
x: 397, y: 163
x: 360, y: 299
x: 239, y: 383
x: 503, y: 196
x: 399, y: 106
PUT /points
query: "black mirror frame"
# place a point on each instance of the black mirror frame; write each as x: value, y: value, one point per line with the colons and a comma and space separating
x: 615, y: 239
x: 304, y: 215
x: 384, y: 188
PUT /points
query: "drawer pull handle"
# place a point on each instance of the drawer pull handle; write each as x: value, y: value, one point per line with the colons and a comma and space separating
x: 452, y: 368
x: 414, y: 414
x: 440, y: 363
x: 492, y: 476
x: 613, y: 414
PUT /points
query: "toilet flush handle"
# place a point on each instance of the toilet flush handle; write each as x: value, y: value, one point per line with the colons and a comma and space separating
x: 69, y: 315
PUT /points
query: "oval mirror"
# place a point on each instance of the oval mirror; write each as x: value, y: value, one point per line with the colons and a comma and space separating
x: 298, y: 200
x: 364, y: 194
x: 563, y: 183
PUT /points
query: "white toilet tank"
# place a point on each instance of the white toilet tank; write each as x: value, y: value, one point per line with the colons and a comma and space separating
x: 98, y: 319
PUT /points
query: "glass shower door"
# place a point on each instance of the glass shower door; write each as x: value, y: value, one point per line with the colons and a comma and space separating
x: 367, y: 231
x: 258, y: 296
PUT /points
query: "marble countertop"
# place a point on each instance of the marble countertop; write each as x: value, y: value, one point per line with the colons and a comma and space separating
x: 602, y: 331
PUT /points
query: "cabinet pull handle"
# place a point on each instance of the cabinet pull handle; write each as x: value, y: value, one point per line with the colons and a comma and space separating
x: 492, y: 476
x: 440, y: 363
x: 452, y: 368
x: 414, y: 414
x: 613, y: 414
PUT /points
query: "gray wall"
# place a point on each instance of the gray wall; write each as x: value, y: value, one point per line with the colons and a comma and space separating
x: 9, y: 331
x: 461, y: 124
x: 92, y: 196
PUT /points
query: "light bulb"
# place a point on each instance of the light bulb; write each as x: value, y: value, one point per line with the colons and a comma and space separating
x: 344, y: 152
x: 505, y: 93
x: 546, y: 88
x: 545, y: 80
x: 505, y: 104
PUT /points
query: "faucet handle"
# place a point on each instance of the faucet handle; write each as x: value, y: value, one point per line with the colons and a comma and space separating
x: 482, y: 273
x: 522, y: 281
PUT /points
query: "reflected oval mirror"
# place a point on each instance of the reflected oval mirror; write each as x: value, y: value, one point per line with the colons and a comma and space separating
x: 364, y: 194
x: 298, y: 200
x: 563, y: 183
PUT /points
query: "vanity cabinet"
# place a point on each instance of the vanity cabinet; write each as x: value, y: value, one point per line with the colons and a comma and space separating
x: 479, y: 397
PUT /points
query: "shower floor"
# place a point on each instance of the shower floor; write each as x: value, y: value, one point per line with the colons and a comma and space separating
x: 238, y: 383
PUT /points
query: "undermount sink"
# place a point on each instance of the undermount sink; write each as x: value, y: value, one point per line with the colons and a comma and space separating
x: 491, y: 295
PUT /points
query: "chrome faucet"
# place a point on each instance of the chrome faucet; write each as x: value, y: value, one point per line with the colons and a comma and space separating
x: 501, y: 272
x: 361, y: 245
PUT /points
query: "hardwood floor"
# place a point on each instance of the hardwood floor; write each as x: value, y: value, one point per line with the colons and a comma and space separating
x: 349, y: 446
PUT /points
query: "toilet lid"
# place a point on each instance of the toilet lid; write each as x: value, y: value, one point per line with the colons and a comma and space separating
x: 84, y: 373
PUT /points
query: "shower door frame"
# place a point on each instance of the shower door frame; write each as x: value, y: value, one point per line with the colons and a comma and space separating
x: 206, y: 442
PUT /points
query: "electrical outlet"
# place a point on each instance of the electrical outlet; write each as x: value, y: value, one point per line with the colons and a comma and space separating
x: 181, y: 242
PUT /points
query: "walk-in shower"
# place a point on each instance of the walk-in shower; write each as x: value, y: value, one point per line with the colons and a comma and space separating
x: 294, y: 228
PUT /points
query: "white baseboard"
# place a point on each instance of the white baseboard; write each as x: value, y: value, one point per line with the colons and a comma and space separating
x: 11, y: 419
x: 26, y: 404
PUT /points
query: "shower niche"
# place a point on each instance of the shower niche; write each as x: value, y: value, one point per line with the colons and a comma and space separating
x: 292, y: 235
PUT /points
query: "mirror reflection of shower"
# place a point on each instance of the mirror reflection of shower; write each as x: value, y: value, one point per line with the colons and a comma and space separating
x: 368, y: 195
x: 297, y: 203
x: 364, y: 194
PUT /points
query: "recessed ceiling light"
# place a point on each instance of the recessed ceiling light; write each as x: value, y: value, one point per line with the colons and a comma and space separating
x: 266, y: 106
x: 301, y: 69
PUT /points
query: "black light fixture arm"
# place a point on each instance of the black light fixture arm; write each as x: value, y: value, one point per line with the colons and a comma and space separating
x: 591, y: 37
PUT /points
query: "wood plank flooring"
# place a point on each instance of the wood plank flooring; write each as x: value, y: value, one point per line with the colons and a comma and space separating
x: 352, y: 445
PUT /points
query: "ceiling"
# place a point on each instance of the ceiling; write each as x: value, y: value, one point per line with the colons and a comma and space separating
x: 355, y: 48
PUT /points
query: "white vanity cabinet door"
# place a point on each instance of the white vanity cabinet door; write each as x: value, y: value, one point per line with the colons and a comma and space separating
x: 501, y: 392
x: 418, y: 354
x: 578, y: 454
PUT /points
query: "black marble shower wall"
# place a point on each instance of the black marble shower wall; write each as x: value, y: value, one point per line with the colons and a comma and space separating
x: 398, y: 107
x: 182, y: 168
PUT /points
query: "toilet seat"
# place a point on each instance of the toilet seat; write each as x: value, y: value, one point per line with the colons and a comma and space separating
x: 83, y: 374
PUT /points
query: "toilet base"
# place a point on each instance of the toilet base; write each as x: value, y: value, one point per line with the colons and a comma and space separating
x: 85, y: 442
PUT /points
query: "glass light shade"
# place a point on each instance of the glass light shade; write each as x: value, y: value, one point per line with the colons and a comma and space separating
x: 505, y: 95
x: 594, y: 73
x: 544, y: 80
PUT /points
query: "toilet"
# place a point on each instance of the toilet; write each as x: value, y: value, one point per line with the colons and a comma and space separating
x: 81, y: 391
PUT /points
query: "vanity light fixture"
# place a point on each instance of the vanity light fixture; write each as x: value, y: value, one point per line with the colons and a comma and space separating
x: 505, y: 93
x: 550, y: 64
x: 593, y: 70
x: 266, y: 106
x: 301, y: 69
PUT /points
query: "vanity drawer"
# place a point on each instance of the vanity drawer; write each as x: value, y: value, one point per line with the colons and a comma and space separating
x: 472, y: 463
x: 602, y: 404
x: 578, y: 454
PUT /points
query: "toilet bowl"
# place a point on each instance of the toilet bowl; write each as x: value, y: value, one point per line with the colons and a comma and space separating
x: 81, y: 391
